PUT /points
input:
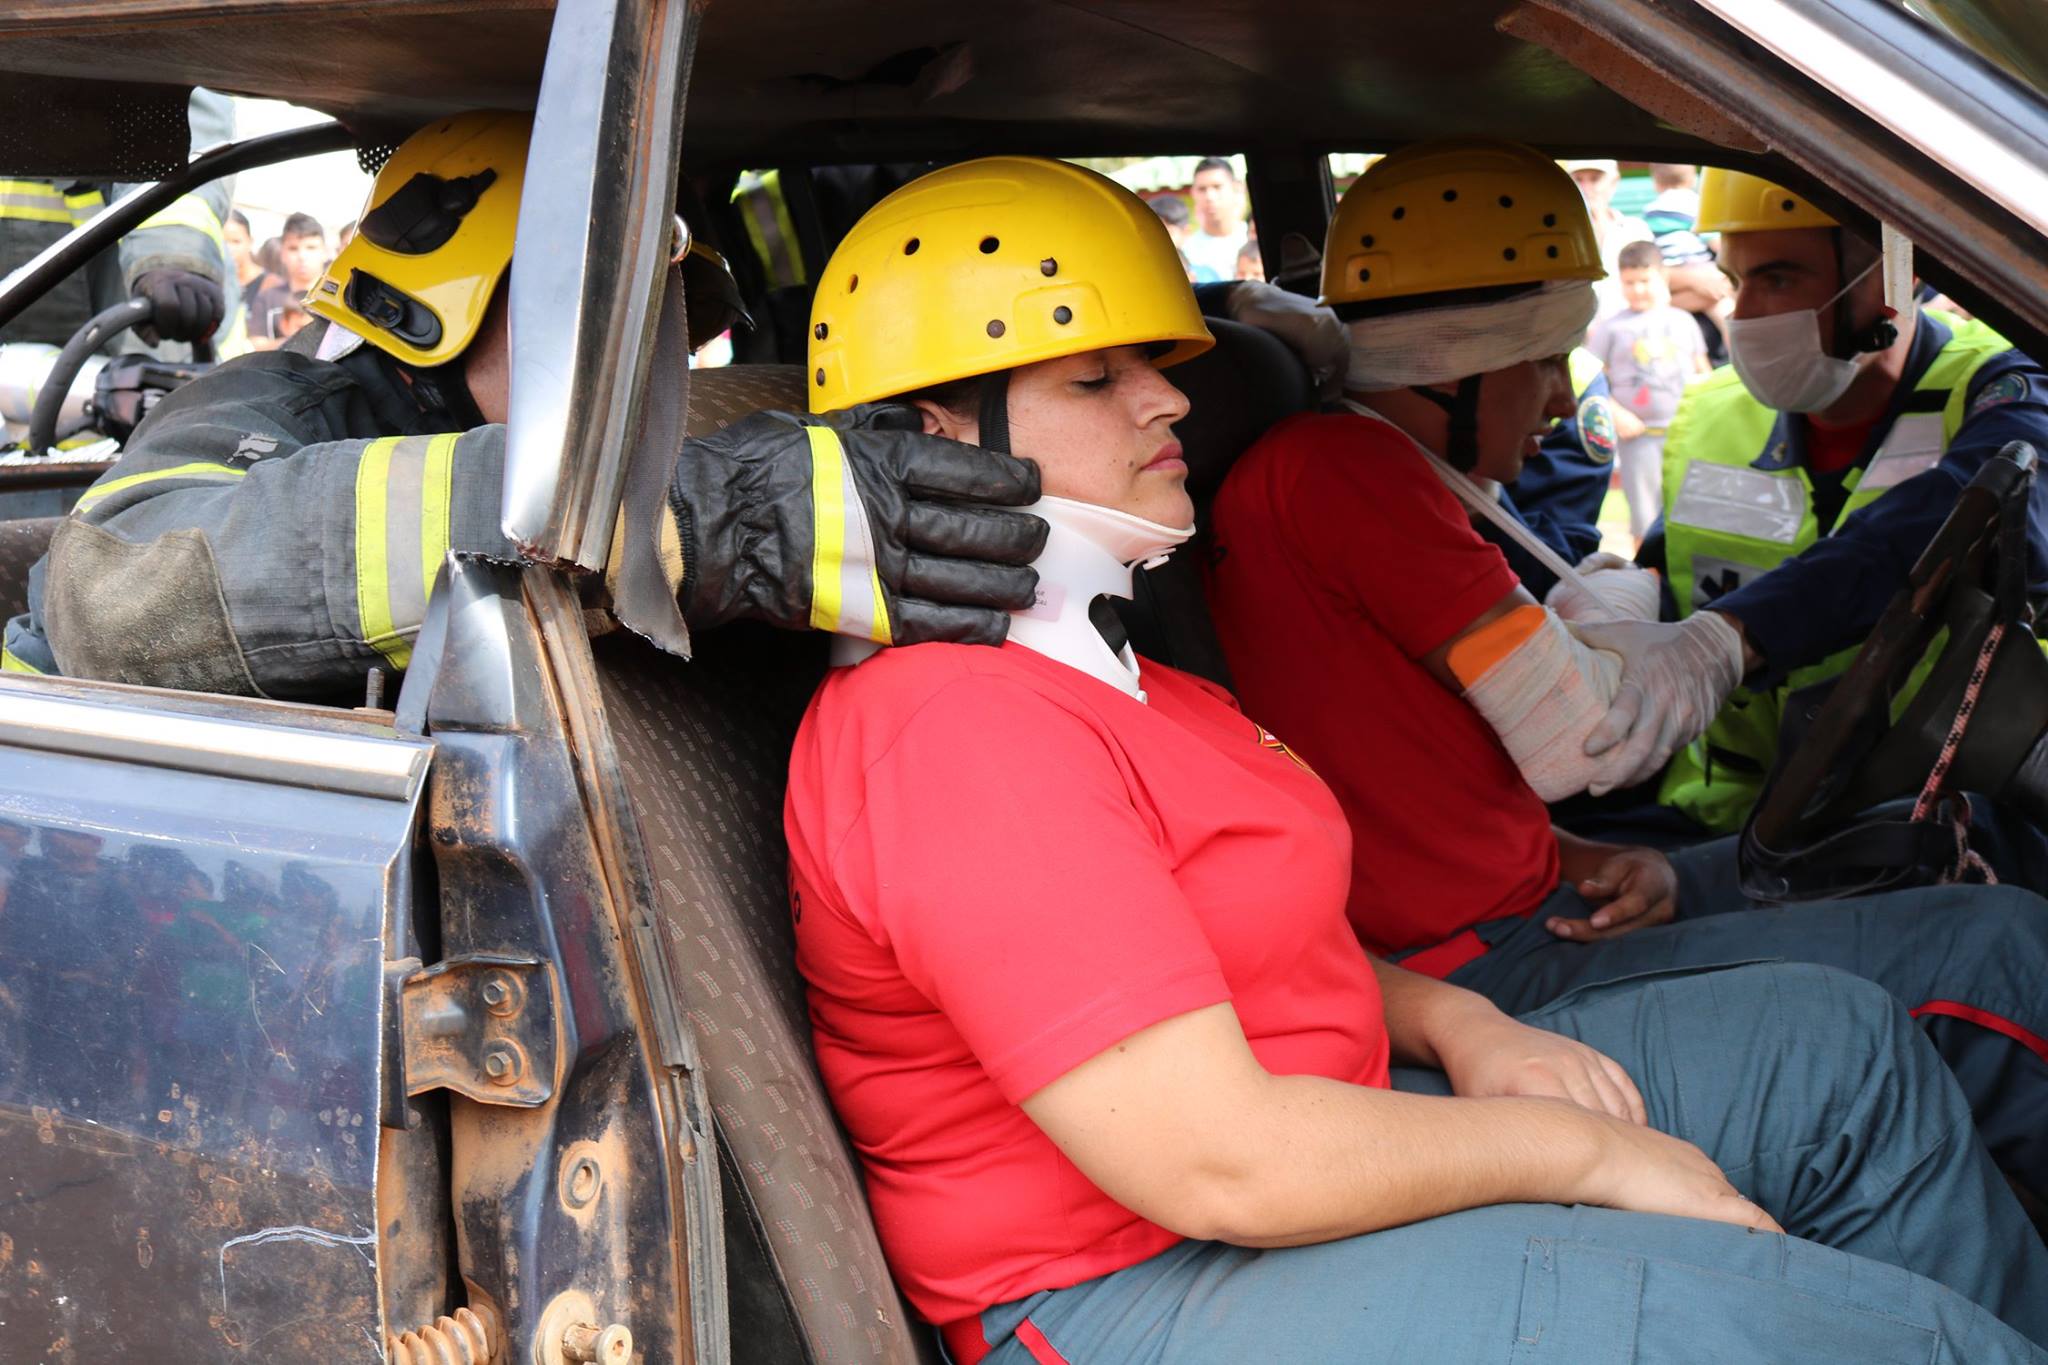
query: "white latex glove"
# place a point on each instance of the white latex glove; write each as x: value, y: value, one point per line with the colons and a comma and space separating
x: 1621, y: 591
x: 1674, y: 680
x: 1310, y: 330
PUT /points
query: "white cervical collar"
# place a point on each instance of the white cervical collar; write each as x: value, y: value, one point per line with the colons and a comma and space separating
x: 1090, y: 552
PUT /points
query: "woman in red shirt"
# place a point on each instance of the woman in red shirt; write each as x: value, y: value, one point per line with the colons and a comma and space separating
x: 1084, y: 993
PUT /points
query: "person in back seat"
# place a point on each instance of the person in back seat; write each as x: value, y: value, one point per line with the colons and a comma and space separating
x: 274, y: 528
x: 1362, y: 615
x: 1118, y: 1070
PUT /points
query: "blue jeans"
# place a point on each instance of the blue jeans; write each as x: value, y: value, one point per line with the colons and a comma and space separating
x: 1814, y: 1092
x: 1970, y: 961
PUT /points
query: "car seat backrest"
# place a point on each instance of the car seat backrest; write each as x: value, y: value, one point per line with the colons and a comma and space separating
x: 704, y: 750
x: 22, y: 543
x: 1236, y: 390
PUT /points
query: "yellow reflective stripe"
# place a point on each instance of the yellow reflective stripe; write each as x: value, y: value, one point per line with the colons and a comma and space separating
x: 373, y: 578
x: 188, y: 211
x: 85, y: 205
x: 436, y: 490
x: 204, y: 470
x: 10, y: 662
x: 846, y: 584
x: 33, y: 201
x: 828, y: 519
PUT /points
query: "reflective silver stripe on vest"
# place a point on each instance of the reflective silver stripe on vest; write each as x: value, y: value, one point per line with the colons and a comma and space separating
x: 1741, y: 502
x: 1913, y: 446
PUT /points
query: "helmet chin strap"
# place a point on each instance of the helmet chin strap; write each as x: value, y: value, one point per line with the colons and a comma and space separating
x: 995, y: 412
x: 1461, y: 441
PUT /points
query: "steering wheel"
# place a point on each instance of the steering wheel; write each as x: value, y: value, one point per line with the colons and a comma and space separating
x: 118, y: 398
x: 1978, y: 723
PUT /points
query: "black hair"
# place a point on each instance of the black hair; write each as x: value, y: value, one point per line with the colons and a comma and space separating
x: 302, y: 225
x: 237, y: 216
x: 1171, y: 208
x: 961, y: 397
x: 1215, y: 163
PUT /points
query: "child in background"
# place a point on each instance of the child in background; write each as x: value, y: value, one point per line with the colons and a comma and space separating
x: 1250, y: 264
x: 1650, y: 350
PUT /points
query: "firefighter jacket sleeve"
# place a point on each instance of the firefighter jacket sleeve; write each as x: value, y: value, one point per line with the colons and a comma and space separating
x: 1858, y: 568
x: 177, y: 256
x: 255, y: 539
x: 186, y: 234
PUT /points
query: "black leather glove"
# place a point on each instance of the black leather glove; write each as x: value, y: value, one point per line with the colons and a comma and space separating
x: 876, y: 505
x: 188, y: 306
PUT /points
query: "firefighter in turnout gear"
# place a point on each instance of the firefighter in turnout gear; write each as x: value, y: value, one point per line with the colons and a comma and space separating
x: 176, y: 258
x: 275, y: 527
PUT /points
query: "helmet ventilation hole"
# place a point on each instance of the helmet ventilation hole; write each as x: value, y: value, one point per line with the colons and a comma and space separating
x: 1399, y: 213
x: 1789, y: 205
x: 910, y: 247
x: 1450, y: 196
x: 852, y: 283
x: 1551, y: 251
x: 1048, y: 266
x: 821, y: 376
x: 1507, y: 254
x: 1550, y: 220
x: 1366, y: 241
x: 1063, y: 315
x: 989, y: 245
x: 820, y: 331
x: 1364, y: 274
x: 995, y: 327
x: 1507, y: 201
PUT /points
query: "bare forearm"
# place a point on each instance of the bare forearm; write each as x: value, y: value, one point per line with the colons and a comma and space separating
x: 1341, y: 1160
x: 1421, y: 1010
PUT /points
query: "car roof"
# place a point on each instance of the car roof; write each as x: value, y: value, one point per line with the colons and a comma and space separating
x: 876, y: 80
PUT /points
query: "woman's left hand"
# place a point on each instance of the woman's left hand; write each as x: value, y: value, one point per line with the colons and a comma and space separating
x: 1496, y: 1055
x: 1632, y: 889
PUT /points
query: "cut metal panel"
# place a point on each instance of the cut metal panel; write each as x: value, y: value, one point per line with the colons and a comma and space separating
x: 606, y: 144
x: 190, y: 1014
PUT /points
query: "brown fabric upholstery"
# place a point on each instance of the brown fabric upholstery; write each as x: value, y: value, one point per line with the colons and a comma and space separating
x: 704, y: 748
x: 720, y: 397
x: 22, y: 543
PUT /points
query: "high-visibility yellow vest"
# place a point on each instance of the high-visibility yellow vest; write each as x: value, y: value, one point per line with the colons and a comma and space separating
x: 1735, y: 507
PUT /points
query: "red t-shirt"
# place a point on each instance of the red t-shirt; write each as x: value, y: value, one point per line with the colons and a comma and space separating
x: 1342, y: 561
x: 1002, y: 867
x: 1830, y: 450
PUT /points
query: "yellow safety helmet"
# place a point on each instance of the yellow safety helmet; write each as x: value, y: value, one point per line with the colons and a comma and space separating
x: 434, y: 241
x: 1457, y: 213
x: 989, y: 265
x: 1736, y: 201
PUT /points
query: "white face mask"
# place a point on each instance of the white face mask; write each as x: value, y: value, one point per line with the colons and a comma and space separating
x: 1780, y: 360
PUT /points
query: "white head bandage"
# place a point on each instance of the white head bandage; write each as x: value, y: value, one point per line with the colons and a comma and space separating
x: 1437, y: 345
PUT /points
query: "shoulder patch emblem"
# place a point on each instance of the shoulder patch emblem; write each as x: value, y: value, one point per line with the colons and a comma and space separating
x: 2010, y: 387
x: 1596, y: 428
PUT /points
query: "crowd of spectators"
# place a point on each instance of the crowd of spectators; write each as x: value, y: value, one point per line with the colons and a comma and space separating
x: 275, y: 277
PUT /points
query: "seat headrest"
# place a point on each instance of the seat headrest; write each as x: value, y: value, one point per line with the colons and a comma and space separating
x: 1238, y: 389
x: 1245, y: 384
x: 721, y: 396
